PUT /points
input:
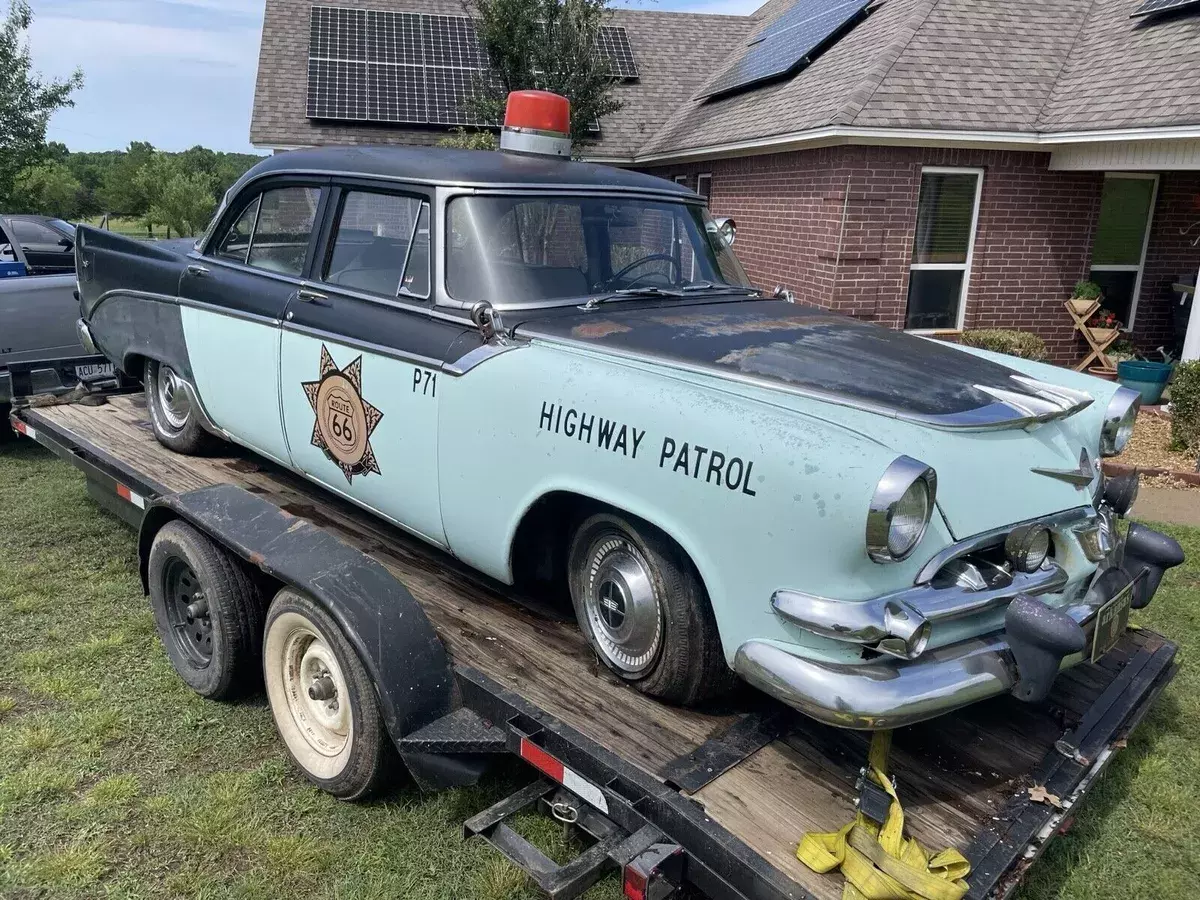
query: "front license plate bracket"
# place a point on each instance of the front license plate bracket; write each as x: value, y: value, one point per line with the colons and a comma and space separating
x: 1111, y: 621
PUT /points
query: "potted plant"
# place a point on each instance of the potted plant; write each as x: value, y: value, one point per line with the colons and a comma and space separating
x: 1085, y: 298
x: 1104, y: 325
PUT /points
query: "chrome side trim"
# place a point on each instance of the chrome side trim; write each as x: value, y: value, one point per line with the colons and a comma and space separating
x: 993, y: 417
x: 995, y: 537
x: 895, y: 622
x: 378, y: 349
x: 465, y: 364
x: 137, y: 295
x: 85, y: 336
x: 206, y: 421
x: 227, y: 311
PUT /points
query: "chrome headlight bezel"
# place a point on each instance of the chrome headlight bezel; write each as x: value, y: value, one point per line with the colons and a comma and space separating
x: 1119, y: 419
x: 904, y: 473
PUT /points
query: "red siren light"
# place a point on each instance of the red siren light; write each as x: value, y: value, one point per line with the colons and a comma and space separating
x: 537, y: 123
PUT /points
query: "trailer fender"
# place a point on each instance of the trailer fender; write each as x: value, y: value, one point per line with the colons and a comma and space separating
x: 382, y: 620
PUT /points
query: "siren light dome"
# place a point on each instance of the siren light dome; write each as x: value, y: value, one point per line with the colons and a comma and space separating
x: 537, y: 123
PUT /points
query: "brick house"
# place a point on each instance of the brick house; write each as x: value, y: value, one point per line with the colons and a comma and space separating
x: 936, y: 165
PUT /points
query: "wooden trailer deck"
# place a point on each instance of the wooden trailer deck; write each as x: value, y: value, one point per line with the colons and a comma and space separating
x: 962, y: 778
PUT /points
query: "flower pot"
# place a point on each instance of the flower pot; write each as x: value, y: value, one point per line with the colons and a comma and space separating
x: 1100, y: 335
x: 1082, y: 306
x: 1103, y: 372
x: 1147, y: 378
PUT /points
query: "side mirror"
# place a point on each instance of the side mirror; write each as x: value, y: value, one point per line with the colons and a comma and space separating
x: 66, y: 243
x: 726, y: 230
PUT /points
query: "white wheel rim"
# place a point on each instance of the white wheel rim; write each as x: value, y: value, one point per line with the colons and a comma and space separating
x: 309, y: 696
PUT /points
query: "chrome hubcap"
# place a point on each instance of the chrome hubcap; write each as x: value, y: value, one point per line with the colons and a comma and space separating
x: 173, y: 399
x: 622, y: 606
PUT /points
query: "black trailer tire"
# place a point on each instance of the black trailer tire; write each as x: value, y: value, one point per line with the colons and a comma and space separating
x: 643, y: 608
x: 208, y: 611
x: 324, y: 701
x: 176, y: 424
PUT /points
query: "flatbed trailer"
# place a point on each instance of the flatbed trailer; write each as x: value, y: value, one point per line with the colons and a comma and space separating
x: 715, y: 798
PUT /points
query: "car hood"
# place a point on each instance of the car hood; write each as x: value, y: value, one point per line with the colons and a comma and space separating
x: 1004, y: 423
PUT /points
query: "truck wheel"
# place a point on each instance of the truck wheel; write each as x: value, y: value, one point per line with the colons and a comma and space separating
x: 323, y: 700
x: 207, y: 609
x: 175, y: 423
x: 643, y: 608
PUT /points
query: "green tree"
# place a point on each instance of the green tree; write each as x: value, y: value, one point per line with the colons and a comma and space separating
x: 121, y: 189
x: 548, y: 45
x: 50, y: 189
x: 26, y: 100
x: 180, y: 197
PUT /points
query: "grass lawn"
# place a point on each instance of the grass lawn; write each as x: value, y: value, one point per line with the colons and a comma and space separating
x: 117, y: 781
x: 130, y: 227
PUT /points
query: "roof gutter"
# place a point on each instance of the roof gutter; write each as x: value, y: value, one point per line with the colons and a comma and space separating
x: 839, y: 134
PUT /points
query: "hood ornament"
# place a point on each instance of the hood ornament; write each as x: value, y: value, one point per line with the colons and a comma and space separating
x: 1080, y: 477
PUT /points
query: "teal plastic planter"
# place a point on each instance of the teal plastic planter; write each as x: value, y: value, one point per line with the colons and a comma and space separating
x: 1148, y: 378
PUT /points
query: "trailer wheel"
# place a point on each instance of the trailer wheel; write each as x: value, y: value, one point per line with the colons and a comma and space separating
x: 175, y: 423
x: 207, y: 609
x: 643, y: 608
x: 323, y: 700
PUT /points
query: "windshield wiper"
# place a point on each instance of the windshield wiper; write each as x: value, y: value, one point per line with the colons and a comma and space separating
x: 723, y: 288
x: 637, y: 293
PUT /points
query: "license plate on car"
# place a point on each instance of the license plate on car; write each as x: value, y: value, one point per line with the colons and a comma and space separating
x: 1111, y: 622
x: 96, y: 370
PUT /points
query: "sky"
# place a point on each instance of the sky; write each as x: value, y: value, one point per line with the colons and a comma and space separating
x: 175, y: 73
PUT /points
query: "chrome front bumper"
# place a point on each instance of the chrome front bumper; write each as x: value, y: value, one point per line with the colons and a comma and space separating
x: 889, y: 692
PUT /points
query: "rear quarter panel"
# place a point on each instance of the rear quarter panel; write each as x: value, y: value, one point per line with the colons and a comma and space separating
x: 512, y: 430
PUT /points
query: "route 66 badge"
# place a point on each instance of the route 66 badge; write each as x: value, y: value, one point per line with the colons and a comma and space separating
x: 344, y: 420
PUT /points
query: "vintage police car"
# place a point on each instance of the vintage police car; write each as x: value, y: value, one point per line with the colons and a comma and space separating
x: 559, y: 373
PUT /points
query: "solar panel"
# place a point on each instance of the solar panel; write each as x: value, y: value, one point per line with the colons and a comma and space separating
x: 1150, y: 7
x: 787, y: 43
x: 409, y: 68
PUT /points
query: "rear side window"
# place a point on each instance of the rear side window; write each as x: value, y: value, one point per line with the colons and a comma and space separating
x: 274, y: 231
x: 381, y: 245
x: 284, y: 228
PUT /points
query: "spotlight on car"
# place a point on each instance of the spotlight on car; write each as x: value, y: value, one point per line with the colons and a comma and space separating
x: 1119, y: 420
x: 1027, y: 547
x: 1120, y: 492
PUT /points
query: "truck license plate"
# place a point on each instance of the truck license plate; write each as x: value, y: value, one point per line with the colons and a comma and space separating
x: 1111, y: 622
x: 97, y: 370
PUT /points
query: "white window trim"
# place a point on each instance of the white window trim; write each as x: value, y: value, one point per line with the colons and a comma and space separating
x: 964, y: 267
x: 681, y: 179
x: 1140, y: 268
x: 701, y: 177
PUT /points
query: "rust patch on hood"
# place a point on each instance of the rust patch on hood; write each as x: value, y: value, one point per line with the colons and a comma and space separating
x: 592, y: 330
x: 710, y: 325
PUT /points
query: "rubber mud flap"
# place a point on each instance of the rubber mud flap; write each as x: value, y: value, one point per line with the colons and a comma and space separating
x: 1039, y: 638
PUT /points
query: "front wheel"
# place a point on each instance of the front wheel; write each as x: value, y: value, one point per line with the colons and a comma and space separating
x: 644, y: 610
x: 175, y: 421
x: 323, y: 700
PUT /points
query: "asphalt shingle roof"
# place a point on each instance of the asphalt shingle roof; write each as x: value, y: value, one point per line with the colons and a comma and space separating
x: 964, y: 65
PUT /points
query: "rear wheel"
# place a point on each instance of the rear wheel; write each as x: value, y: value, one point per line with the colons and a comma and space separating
x: 323, y: 700
x: 208, y: 612
x: 175, y: 422
x: 643, y: 608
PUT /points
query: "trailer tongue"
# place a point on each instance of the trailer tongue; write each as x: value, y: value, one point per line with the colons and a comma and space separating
x: 718, y: 799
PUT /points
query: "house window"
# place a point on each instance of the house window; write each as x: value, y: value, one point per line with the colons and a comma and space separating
x: 1119, y: 248
x: 947, y: 212
x: 704, y: 184
x: 681, y: 179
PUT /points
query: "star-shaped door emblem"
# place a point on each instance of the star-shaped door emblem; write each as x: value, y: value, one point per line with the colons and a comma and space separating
x: 344, y: 420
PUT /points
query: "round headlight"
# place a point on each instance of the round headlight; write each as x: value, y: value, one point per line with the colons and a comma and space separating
x: 900, y: 510
x: 1027, y: 547
x: 1119, y: 420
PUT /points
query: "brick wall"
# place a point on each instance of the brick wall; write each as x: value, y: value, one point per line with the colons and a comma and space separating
x: 836, y: 226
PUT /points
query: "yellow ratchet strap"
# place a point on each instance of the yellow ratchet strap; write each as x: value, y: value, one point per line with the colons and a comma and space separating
x: 880, y: 863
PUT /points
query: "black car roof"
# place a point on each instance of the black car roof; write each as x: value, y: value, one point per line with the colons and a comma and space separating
x: 472, y: 167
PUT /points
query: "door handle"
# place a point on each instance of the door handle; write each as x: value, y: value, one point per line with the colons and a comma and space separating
x: 199, y: 271
x: 304, y: 295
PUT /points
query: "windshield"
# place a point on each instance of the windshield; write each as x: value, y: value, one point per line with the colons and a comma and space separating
x: 520, y: 250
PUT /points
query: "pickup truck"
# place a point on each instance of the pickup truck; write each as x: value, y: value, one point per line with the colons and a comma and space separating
x: 559, y: 373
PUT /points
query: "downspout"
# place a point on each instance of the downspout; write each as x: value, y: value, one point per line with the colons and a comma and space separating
x: 1191, y: 339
